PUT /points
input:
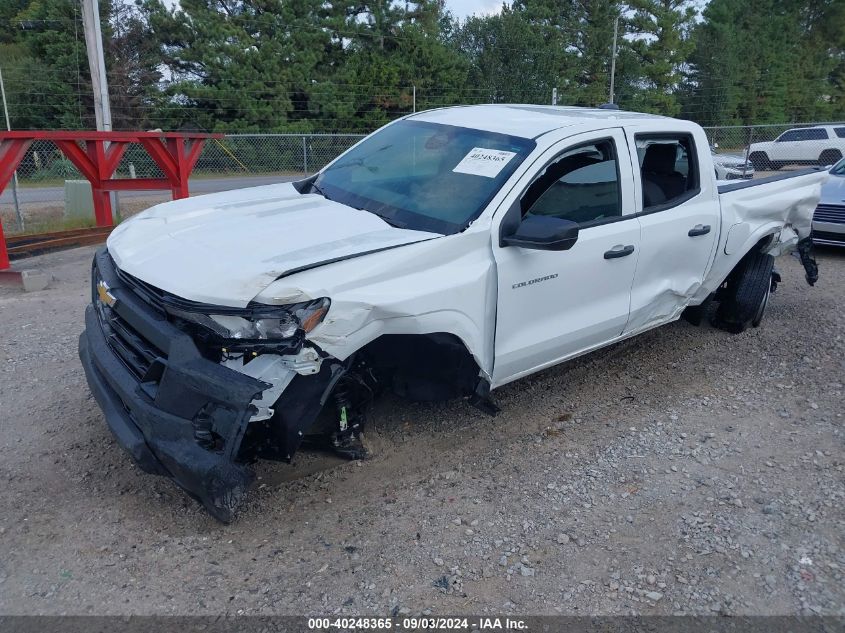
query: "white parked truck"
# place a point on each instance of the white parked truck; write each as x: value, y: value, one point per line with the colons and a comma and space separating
x: 818, y: 145
x: 447, y: 254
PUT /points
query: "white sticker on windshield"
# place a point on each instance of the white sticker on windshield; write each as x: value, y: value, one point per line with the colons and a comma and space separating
x: 484, y: 162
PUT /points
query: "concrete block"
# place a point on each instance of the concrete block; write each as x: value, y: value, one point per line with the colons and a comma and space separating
x: 79, y: 202
x: 34, y: 280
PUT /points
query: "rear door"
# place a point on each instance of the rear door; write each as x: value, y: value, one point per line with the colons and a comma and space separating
x: 553, y: 305
x: 679, y: 222
x: 813, y: 141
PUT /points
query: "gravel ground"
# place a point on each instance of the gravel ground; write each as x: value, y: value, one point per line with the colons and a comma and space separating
x: 684, y: 471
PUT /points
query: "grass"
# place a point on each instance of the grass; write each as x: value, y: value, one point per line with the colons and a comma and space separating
x: 49, y: 225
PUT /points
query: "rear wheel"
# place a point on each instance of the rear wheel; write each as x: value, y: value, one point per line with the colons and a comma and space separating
x: 744, y: 299
x: 829, y: 157
x: 759, y: 160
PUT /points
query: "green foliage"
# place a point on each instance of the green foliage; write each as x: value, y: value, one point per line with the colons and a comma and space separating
x: 46, y: 74
x: 768, y: 61
x: 509, y: 60
x: 662, y: 48
x: 352, y: 65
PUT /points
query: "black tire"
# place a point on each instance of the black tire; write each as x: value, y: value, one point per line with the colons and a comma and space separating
x: 744, y: 300
x: 829, y: 157
x: 759, y: 160
x: 757, y: 319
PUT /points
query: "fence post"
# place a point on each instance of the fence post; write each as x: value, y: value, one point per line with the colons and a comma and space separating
x: 748, y: 148
x: 304, y: 156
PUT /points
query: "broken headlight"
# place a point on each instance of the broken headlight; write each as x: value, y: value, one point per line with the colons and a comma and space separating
x: 264, y: 323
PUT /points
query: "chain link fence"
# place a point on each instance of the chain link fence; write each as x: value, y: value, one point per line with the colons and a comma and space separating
x: 765, y: 146
x: 236, y: 154
x: 771, y: 148
x: 240, y: 160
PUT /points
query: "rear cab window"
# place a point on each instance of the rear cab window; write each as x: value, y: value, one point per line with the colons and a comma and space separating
x: 840, y: 131
x: 669, y: 169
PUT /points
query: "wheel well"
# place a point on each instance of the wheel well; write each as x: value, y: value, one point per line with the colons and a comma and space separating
x: 434, y: 366
x: 761, y: 244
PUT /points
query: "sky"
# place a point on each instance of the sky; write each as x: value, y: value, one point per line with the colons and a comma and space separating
x: 465, y: 8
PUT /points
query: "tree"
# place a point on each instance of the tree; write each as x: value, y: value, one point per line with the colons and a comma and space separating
x: 662, y: 46
x: 48, y: 83
x: 132, y: 63
x: 240, y: 65
x: 769, y: 61
x: 389, y: 49
x: 508, y: 59
x: 10, y: 27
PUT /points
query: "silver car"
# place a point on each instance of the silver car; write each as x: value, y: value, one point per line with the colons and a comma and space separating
x: 829, y: 219
x: 731, y: 166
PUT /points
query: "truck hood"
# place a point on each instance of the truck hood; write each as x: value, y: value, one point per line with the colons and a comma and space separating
x: 721, y: 159
x: 225, y: 248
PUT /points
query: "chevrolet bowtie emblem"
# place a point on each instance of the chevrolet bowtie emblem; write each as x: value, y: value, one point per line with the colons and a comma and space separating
x: 105, y: 296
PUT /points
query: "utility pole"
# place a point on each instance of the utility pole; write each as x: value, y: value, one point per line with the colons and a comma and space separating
x: 97, y: 63
x: 15, y: 175
x: 613, y: 59
x: 99, y: 83
x: 415, y: 95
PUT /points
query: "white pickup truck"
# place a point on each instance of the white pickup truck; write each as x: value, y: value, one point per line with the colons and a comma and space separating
x: 447, y: 254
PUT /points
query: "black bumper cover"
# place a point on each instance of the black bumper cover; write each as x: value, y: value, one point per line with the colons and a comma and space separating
x: 155, y: 418
x: 163, y: 418
x: 162, y: 443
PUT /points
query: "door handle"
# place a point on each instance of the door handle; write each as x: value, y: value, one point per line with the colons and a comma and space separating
x: 619, y: 251
x: 699, y: 229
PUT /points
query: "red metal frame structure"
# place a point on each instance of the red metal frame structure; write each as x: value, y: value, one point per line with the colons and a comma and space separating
x: 97, y: 154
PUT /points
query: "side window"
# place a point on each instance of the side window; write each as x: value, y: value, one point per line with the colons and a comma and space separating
x: 815, y: 134
x: 668, y: 167
x: 840, y: 132
x: 804, y: 134
x: 581, y: 185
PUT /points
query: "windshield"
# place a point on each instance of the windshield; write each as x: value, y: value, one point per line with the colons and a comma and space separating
x: 839, y: 168
x: 424, y: 176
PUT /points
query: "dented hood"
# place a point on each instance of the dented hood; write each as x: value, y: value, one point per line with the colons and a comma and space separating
x: 225, y: 248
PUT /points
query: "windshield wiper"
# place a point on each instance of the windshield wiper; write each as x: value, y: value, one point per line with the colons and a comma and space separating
x: 315, y: 188
x: 390, y: 221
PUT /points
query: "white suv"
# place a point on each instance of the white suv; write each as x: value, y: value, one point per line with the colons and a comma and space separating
x: 822, y: 145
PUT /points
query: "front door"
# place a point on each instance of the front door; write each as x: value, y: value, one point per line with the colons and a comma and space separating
x: 553, y: 305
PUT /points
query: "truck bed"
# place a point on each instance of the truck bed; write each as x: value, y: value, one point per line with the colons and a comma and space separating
x: 785, y: 199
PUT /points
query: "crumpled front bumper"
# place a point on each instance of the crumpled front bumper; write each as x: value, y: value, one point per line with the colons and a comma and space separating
x: 175, y: 411
x: 164, y: 413
x: 163, y: 442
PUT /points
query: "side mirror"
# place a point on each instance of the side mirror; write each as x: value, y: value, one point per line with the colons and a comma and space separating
x: 543, y: 233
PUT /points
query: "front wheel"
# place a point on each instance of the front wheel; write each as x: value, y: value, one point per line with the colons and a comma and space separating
x: 759, y: 160
x: 744, y: 299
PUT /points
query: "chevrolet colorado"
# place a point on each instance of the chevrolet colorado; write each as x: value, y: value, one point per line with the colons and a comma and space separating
x: 445, y: 255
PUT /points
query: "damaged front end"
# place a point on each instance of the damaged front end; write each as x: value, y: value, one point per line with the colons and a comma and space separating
x: 195, y: 392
